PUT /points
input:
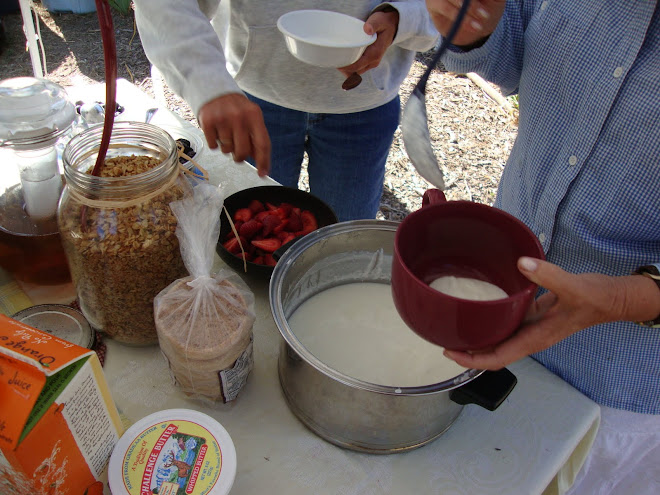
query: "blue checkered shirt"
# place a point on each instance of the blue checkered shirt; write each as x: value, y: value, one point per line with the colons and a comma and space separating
x: 584, y: 172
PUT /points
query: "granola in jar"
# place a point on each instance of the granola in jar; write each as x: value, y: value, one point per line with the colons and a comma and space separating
x: 118, y: 230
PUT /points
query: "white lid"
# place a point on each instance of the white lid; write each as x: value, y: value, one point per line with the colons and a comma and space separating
x: 172, y: 449
x: 32, y: 110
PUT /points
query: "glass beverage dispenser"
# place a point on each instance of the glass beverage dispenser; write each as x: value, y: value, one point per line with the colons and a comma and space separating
x: 36, y: 121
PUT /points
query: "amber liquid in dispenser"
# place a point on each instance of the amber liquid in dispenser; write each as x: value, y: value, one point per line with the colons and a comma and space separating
x: 31, y: 251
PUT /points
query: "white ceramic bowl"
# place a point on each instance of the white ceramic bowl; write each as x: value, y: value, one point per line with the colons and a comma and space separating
x: 324, y: 38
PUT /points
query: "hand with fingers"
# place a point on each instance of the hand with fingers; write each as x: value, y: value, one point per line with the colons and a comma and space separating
x: 599, y: 333
x: 573, y: 302
x: 237, y: 124
x: 481, y: 19
x: 384, y: 24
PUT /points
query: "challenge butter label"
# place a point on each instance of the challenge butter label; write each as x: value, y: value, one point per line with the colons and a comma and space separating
x: 172, y: 457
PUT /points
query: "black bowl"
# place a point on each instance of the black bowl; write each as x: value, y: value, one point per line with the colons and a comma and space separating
x: 274, y: 195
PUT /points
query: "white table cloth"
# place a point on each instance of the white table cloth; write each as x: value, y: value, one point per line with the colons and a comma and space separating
x: 533, y: 443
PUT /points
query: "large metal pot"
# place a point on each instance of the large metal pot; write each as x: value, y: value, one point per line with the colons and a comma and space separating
x: 343, y: 410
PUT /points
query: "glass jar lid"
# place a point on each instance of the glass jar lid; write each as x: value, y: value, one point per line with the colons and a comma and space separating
x: 60, y: 320
x: 33, y: 111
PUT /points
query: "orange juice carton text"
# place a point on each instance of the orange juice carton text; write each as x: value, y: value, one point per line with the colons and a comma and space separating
x: 58, y: 423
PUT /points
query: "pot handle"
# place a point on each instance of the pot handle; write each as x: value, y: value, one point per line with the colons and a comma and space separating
x: 283, y: 249
x: 433, y: 196
x: 488, y: 390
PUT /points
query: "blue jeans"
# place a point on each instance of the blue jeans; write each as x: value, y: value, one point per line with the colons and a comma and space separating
x: 347, y: 154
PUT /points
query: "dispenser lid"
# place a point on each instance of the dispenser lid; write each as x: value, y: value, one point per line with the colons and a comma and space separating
x: 33, y: 110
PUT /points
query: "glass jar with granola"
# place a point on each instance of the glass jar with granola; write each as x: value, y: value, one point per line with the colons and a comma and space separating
x: 117, y: 228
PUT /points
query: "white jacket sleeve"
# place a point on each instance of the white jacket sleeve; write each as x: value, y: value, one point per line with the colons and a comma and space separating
x: 416, y: 30
x: 180, y: 41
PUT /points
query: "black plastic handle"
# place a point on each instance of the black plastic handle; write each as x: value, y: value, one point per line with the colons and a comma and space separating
x: 283, y: 249
x: 488, y: 390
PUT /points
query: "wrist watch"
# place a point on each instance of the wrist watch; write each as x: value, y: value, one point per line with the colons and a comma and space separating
x: 652, y: 272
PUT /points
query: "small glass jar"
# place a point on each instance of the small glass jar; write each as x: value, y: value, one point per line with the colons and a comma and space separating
x: 119, y: 232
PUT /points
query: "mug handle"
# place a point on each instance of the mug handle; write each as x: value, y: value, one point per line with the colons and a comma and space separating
x: 433, y: 196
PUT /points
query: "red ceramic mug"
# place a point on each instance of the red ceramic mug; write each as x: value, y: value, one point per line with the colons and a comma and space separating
x: 464, y: 239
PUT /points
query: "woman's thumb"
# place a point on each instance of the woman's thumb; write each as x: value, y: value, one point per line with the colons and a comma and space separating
x: 541, y: 272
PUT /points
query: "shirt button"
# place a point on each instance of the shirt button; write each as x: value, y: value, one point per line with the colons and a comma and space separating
x: 544, y: 5
x: 572, y: 161
x: 618, y: 72
x: 542, y: 237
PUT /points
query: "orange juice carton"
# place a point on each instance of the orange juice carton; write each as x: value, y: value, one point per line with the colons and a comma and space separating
x: 58, y: 423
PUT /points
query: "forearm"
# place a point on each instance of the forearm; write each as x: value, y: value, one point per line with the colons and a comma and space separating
x: 415, y: 31
x: 625, y: 298
x: 497, y: 57
x: 178, y: 38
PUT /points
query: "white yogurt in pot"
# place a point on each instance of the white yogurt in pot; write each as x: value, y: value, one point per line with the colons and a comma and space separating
x: 355, y: 329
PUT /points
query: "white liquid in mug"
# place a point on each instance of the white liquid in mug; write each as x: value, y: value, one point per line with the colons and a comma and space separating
x: 356, y: 330
x: 468, y: 288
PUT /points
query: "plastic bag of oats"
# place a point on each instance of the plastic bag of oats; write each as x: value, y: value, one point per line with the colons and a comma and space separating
x: 204, y: 321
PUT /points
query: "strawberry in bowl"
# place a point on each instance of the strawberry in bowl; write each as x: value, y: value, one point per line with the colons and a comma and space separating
x: 267, y: 218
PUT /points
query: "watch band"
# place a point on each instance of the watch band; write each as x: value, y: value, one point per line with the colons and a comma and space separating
x: 652, y: 272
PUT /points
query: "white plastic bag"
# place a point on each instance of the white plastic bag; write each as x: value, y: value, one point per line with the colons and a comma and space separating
x: 204, y: 321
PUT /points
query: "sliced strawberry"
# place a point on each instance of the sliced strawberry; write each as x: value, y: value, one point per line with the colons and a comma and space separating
x: 232, y: 245
x: 289, y: 237
x: 286, y: 208
x: 237, y: 226
x: 271, y: 206
x: 256, y: 206
x: 242, y: 215
x: 268, y: 245
x: 250, y: 228
x: 280, y: 213
x: 283, y: 211
x: 269, y: 260
x: 309, y: 221
x: 259, y: 260
x: 262, y: 214
x: 270, y: 222
x: 281, y: 226
x: 295, y: 223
